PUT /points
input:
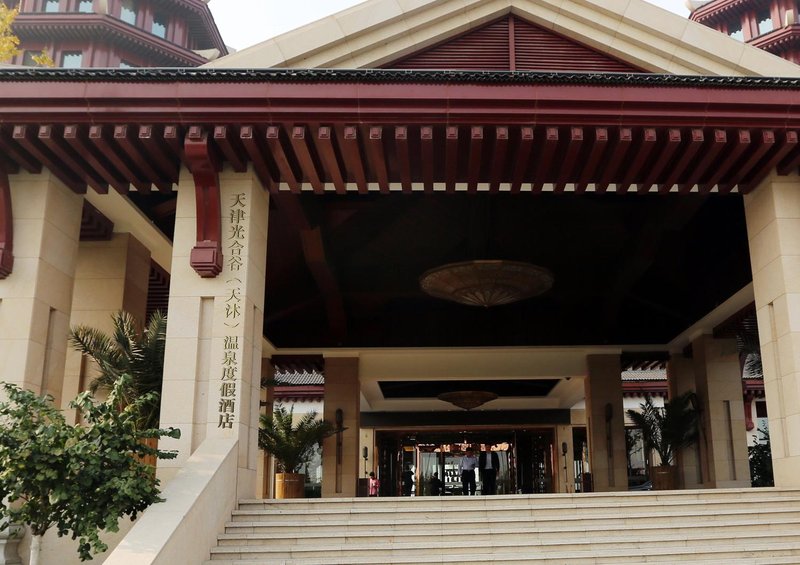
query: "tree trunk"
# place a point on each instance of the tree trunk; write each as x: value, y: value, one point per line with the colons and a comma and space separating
x: 36, y: 549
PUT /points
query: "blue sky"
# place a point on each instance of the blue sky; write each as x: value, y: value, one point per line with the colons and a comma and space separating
x: 246, y: 22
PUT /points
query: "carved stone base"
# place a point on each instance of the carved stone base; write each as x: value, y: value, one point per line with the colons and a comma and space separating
x: 9, y: 545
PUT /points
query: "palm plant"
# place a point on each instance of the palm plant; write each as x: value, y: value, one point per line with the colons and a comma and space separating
x: 128, y: 351
x: 291, y: 445
x: 669, y: 429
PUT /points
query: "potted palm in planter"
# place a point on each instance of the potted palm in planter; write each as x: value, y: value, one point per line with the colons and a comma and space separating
x: 292, y: 445
x: 666, y: 431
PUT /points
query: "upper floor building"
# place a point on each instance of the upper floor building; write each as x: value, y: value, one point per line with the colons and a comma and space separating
x: 117, y: 33
x: 772, y: 25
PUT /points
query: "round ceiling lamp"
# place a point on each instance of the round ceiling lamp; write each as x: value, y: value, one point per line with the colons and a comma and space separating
x: 486, y: 283
x: 467, y: 399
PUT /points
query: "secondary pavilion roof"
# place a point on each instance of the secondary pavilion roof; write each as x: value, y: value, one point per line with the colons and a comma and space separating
x: 362, y: 163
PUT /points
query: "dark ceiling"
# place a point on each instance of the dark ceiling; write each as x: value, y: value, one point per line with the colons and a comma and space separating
x: 629, y: 269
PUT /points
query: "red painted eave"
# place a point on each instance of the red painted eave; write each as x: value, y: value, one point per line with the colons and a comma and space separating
x: 718, y: 9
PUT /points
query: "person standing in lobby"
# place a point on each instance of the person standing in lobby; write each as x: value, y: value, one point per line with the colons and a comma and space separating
x: 489, y: 464
x: 467, y: 467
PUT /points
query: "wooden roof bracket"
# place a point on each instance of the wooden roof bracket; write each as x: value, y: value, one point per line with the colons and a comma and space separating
x: 206, y: 255
x: 6, y: 226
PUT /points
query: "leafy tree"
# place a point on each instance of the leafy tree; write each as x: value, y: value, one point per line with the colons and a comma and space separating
x: 78, y: 479
x: 760, y: 456
x: 9, y: 43
x: 669, y: 429
x: 128, y: 351
x: 292, y: 446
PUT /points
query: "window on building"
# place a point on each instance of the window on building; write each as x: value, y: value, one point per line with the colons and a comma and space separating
x: 27, y: 58
x: 72, y: 59
x: 159, y: 25
x: 86, y: 6
x: 764, y: 22
x: 735, y: 31
x: 128, y: 12
x: 51, y: 6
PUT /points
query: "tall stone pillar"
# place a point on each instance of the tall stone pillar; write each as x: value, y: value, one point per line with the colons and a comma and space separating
x: 36, y: 298
x: 605, y: 423
x: 773, y: 228
x: 340, y: 452
x: 266, y: 465
x: 212, y: 367
x: 110, y: 276
x: 680, y: 379
x: 723, y: 441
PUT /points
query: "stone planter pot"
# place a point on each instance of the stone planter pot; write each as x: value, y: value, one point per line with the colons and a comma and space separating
x: 290, y: 485
x: 665, y: 477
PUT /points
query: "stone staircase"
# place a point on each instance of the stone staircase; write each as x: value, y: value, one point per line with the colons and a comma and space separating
x: 700, y: 526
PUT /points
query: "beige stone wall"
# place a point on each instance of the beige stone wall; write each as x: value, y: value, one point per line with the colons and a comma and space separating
x: 342, y: 392
x: 773, y: 228
x: 36, y: 298
x: 215, y: 324
x: 723, y: 442
x: 680, y: 379
x: 605, y: 423
x: 110, y: 276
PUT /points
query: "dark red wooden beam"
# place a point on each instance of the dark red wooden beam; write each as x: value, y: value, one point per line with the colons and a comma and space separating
x: 620, y: 145
x: 100, y: 137
x: 252, y: 143
x: 544, y: 160
x: 6, y: 227
x: 589, y: 169
x: 231, y: 147
x: 56, y: 143
x: 450, y: 158
x: 499, y: 152
x: 376, y: 157
x: 662, y: 159
x: 403, y: 157
x: 426, y: 150
x: 173, y: 137
x: 762, y: 144
x: 279, y: 154
x: 728, y: 161
x: 522, y: 158
x: 327, y: 154
x: 708, y: 157
x: 475, y: 157
x: 206, y: 256
x: 565, y: 170
x: 78, y: 138
x: 787, y: 144
x: 636, y: 168
x: 690, y: 149
x: 129, y: 144
x: 352, y: 157
x: 151, y: 138
x: 17, y: 154
x: 301, y: 145
x: 26, y: 138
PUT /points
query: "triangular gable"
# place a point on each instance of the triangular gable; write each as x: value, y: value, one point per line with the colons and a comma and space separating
x: 514, y: 44
x: 376, y: 32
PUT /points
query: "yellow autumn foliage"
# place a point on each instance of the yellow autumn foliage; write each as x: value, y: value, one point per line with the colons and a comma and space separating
x: 9, y: 43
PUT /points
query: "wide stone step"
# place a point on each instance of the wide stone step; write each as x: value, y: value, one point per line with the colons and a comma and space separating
x: 752, y: 553
x: 255, y: 534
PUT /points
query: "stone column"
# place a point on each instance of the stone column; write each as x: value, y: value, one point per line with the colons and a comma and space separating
x: 605, y: 423
x: 266, y: 466
x: 36, y: 298
x: 723, y: 442
x: 110, y: 276
x: 564, y: 478
x: 212, y: 367
x: 680, y: 379
x: 340, y: 455
x: 773, y: 228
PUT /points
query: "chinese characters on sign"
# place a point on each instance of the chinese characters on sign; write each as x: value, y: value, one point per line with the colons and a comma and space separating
x: 231, y: 354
